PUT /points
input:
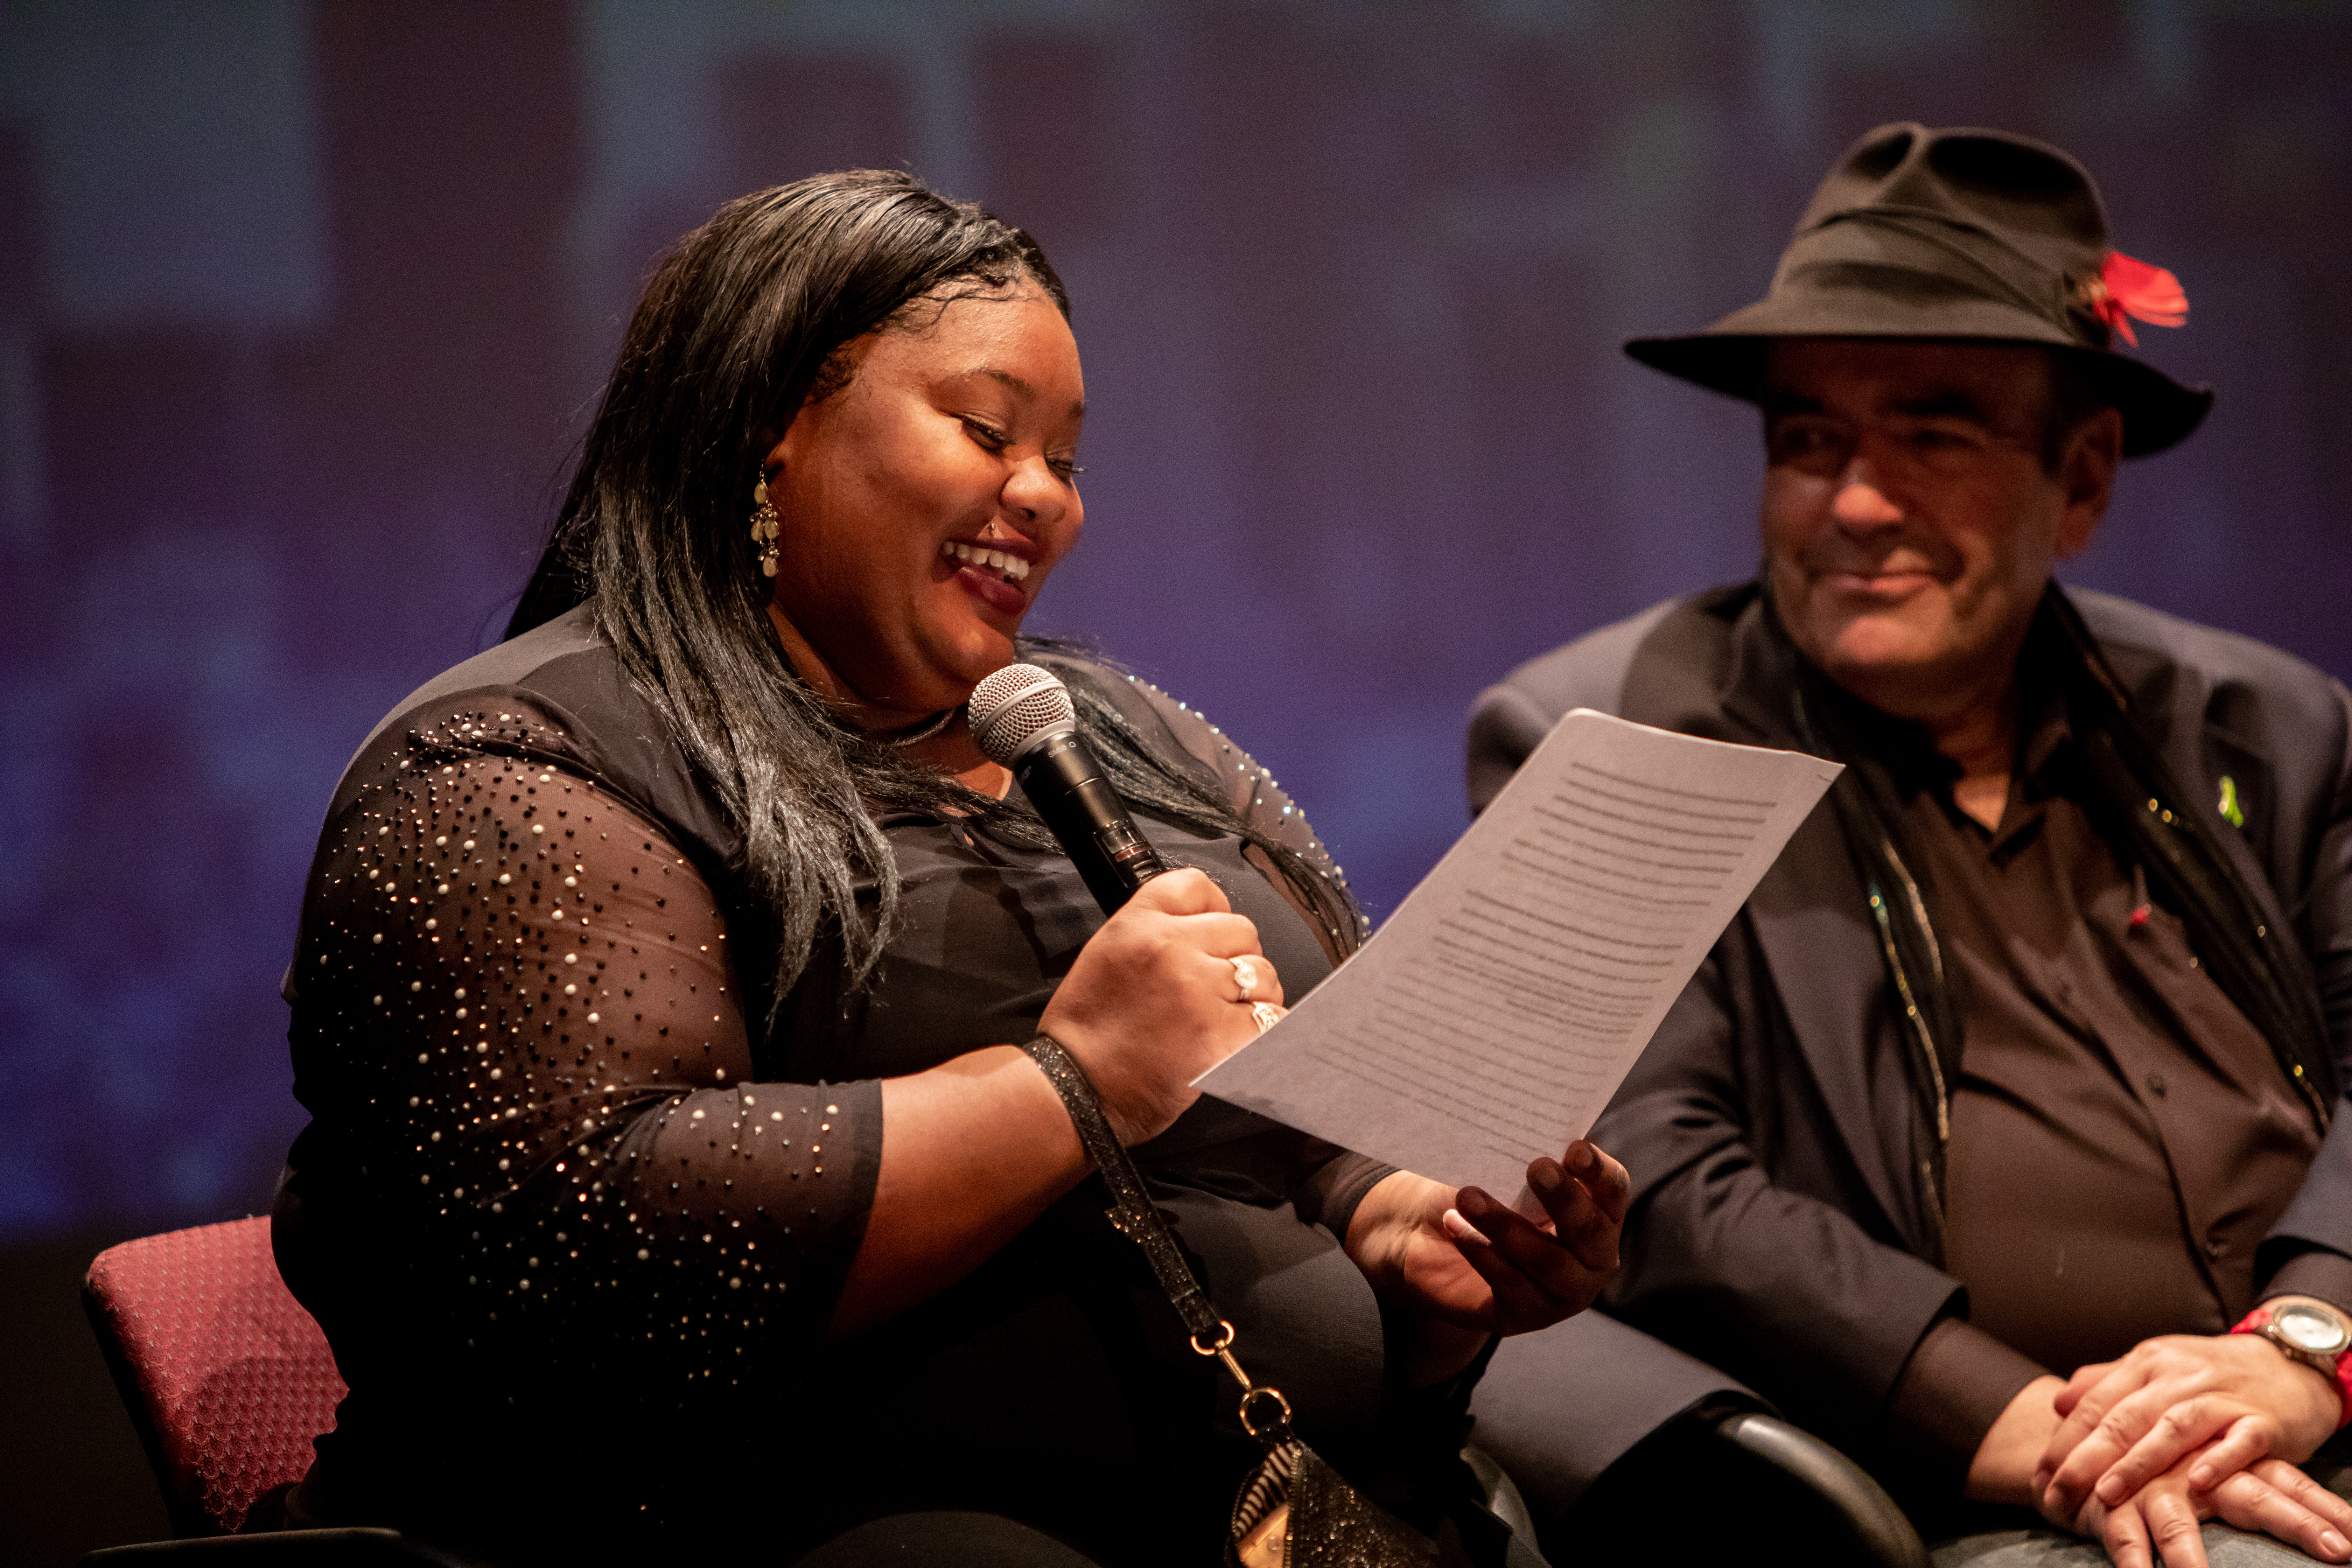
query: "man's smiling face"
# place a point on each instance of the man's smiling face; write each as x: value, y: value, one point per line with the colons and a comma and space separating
x: 1910, y: 520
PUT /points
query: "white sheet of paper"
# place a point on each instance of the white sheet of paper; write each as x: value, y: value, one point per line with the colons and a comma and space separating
x: 1492, y: 1016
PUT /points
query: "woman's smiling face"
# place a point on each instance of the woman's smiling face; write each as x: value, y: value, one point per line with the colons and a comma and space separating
x: 924, y: 504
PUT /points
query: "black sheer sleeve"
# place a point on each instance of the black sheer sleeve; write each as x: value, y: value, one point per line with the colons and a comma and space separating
x: 516, y: 1024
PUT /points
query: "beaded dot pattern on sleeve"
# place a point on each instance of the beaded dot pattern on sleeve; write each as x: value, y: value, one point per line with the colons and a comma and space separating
x: 535, y: 982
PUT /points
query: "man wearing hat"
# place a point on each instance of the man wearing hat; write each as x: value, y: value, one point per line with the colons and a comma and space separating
x: 2001, y: 1141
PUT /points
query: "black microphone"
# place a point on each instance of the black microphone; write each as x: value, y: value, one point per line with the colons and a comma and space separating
x: 1023, y: 718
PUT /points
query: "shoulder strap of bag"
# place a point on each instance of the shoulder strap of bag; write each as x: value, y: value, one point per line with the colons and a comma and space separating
x: 1265, y: 1413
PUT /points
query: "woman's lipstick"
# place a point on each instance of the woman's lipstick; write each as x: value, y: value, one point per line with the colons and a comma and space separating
x: 993, y: 572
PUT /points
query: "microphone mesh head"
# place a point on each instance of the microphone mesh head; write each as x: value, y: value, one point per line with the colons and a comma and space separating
x: 1014, y: 707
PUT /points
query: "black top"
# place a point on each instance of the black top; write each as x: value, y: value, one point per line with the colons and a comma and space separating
x: 574, y: 1219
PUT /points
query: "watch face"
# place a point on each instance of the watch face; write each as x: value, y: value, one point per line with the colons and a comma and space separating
x: 2309, y: 1329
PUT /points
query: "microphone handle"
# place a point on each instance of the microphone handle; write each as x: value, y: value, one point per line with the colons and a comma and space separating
x: 1063, y: 781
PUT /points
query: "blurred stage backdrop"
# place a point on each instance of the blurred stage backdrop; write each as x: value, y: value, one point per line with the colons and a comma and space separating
x: 302, y: 308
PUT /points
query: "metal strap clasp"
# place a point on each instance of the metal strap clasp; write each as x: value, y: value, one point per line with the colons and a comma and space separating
x: 1252, y: 1393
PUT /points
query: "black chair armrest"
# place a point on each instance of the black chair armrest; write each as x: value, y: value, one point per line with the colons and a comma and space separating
x: 348, y: 1548
x: 1726, y: 1481
x: 1878, y: 1531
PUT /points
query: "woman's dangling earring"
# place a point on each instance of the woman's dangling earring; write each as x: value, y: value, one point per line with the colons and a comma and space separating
x: 764, y: 527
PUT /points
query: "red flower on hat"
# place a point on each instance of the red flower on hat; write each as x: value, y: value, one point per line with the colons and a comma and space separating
x: 2127, y: 287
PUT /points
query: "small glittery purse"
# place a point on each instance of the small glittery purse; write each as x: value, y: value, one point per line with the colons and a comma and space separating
x: 1295, y: 1510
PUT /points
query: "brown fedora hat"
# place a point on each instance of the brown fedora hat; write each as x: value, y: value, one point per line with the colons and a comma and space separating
x: 1956, y: 235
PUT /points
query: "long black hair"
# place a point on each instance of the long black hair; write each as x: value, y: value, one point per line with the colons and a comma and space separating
x: 740, y: 326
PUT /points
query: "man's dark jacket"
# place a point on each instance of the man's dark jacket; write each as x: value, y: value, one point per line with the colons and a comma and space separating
x: 1778, y: 1229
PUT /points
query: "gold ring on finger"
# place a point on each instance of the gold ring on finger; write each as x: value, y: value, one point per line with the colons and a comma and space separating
x: 1244, y: 976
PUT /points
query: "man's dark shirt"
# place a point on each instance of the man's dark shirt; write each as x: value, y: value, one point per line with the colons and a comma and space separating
x: 2122, y: 1137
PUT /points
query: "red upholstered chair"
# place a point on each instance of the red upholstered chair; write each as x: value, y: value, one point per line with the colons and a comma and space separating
x: 227, y: 1377
x: 227, y: 1380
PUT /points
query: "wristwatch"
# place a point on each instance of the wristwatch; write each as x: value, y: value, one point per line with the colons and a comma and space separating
x: 2312, y: 1334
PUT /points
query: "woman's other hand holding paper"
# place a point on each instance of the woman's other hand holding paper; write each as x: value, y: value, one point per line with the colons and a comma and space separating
x: 1463, y: 1265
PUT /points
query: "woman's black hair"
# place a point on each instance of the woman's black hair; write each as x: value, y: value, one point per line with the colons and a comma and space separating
x: 740, y: 325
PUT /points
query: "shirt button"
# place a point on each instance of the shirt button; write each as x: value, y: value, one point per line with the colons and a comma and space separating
x: 2156, y: 1084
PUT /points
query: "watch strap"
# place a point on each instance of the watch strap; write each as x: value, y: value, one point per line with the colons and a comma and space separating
x: 2257, y: 1321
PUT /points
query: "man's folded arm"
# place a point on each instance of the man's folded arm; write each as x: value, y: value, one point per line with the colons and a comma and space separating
x: 1953, y: 1388
x: 1776, y: 1286
x: 2309, y: 1250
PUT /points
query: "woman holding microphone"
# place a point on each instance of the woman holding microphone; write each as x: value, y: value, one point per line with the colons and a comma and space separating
x: 678, y: 1179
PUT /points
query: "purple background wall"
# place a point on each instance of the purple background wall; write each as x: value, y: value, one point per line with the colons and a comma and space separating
x: 301, y: 305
